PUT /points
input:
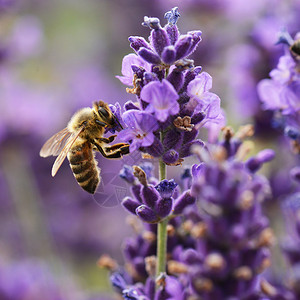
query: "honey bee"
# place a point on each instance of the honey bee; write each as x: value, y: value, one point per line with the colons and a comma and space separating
x: 295, y: 49
x: 82, y: 136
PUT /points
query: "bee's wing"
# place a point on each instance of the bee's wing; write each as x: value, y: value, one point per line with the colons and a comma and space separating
x: 63, y: 153
x: 56, y: 143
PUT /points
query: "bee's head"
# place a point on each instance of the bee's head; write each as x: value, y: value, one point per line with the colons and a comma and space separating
x: 105, y: 116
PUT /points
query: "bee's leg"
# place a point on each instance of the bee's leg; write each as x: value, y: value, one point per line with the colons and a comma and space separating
x: 115, y: 151
x: 107, y: 140
x: 122, y: 147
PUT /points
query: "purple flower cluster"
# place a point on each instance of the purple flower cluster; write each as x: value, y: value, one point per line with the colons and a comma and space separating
x: 218, y: 246
x: 153, y: 202
x: 174, y: 98
x: 281, y: 93
x: 288, y: 289
x: 237, y: 236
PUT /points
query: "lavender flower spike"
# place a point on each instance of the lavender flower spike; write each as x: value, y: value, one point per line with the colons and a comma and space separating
x: 162, y: 99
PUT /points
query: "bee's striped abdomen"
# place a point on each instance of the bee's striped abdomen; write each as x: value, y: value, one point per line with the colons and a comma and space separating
x: 84, y: 166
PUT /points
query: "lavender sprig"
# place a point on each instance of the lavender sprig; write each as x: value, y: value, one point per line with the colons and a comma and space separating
x: 174, y: 100
x: 216, y: 247
x: 281, y: 93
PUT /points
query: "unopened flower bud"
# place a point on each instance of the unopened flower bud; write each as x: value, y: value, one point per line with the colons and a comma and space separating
x: 182, y: 202
x: 170, y: 157
x: 149, y: 195
x: 136, y: 192
x: 149, y: 56
x: 146, y: 214
x: 182, y: 46
x: 164, y: 206
x: 137, y: 42
x: 130, y: 204
x: 159, y: 39
x: 176, y: 78
x: 191, y: 256
x: 196, y: 39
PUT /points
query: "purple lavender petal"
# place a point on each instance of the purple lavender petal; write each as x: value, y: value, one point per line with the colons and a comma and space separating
x: 140, y: 127
x: 130, y: 105
x: 201, y: 84
x: 284, y: 70
x: 128, y: 61
x: 269, y: 93
x: 162, y: 99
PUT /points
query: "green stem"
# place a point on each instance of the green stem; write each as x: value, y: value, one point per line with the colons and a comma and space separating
x: 162, y: 170
x: 161, y: 253
x: 161, y: 247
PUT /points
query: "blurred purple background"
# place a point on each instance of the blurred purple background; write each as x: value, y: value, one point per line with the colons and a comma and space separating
x: 58, y: 56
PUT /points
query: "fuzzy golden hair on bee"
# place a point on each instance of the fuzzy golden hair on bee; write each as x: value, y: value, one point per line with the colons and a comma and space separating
x: 78, y: 141
x: 80, y: 118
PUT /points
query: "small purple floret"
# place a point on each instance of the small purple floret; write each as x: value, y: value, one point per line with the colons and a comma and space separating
x: 166, y: 188
x: 162, y: 99
x: 139, y: 129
